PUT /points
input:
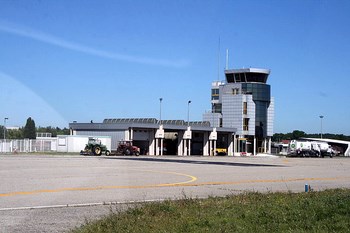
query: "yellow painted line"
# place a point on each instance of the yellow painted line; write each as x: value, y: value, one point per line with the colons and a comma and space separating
x: 192, y: 179
x: 188, y: 183
x: 266, y: 181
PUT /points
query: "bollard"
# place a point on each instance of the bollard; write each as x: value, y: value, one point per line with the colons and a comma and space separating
x: 307, y: 187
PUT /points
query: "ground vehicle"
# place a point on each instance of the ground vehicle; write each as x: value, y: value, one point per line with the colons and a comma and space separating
x: 95, y: 147
x: 304, y: 148
x: 221, y: 151
x: 326, y: 149
x: 310, y: 148
x: 126, y: 148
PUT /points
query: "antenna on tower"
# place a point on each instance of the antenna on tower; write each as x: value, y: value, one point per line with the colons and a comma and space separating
x: 219, y: 60
x: 226, y: 59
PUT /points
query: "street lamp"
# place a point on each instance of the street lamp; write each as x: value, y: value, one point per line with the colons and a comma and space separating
x: 5, y: 119
x: 188, y: 112
x: 321, y: 125
x: 160, y: 110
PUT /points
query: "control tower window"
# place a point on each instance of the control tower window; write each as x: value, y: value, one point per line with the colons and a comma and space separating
x: 215, y: 97
x: 245, y: 124
x: 214, y: 91
x: 245, y: 108
x: 238, y: 78
x: 235, y: 91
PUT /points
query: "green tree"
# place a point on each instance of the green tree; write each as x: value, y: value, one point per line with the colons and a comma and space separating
x: 298, y: 134
x: 53, y: 130
x: 14, y: 134
x: 1, y: 132
x: 29, y: 129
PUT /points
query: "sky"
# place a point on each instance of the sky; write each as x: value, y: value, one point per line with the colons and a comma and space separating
x: 64, y: 61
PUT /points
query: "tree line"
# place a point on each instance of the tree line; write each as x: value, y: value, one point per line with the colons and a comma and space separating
x: 297, y: 134
x: 30, y: 131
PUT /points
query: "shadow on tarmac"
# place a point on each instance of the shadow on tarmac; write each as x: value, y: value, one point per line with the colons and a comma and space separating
x: 186, y: 161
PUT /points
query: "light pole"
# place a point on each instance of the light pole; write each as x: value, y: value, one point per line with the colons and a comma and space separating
x: 321, y: 125
x: 188, y: 112
x: 5, y: 119
x: 160, y: 110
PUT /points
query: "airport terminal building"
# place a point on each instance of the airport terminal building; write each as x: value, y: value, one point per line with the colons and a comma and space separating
x: 155, y: 137
x: 240, y: 122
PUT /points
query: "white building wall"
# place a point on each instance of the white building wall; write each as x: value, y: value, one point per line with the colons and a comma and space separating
x: 116, y: 136
x: 213, y: 118
x: 270, y: 117
x: 251, y: 114
x: 232, y: 111
x: 76, y: 143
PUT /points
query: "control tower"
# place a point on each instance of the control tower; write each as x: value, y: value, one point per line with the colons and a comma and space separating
x: 244, y: 102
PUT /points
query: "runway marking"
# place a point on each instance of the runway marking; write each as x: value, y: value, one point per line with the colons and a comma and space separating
x: 188, y: 183
x: 267, y: 181
x: 193, y: 178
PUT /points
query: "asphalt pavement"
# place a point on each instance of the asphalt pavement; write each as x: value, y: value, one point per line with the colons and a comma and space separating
x: 51, y: 193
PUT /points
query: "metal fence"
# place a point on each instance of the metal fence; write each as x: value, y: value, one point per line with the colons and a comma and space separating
x: 28, y: 145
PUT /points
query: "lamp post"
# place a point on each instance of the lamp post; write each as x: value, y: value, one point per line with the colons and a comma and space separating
x: 188, y: 112
x: 5, y: 119
x: 321, y: 117
x: 160, y: 110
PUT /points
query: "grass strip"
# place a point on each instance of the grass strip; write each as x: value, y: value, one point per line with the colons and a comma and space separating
x: 326, y: 211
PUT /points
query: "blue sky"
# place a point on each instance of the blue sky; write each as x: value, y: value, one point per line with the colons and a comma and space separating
x: 64, y: 61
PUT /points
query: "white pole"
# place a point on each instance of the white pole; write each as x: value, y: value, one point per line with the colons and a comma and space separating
x: 321, y: 125
x: 188, y: 113
x: 160, y: 110
x: 226, y: 59
x: 5, y: 119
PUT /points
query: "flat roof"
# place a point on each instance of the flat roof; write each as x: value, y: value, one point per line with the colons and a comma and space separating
x: 146, y: 123
x: 334, y: 141
x: 247, y: 70
x: 248, y: 75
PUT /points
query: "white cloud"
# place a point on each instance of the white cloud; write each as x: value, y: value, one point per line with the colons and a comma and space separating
x: 53, y: 40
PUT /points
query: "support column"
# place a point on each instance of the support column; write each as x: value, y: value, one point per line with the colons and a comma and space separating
x: 234, y: 144
x: 265, y: 146
x: 206, y: 144
x: 230, y: 145
x: 151, y: 143
x: 159, y: 140
x: 269, y: 146
x: 213, y: 137
x: 157, y: 147
x: 238, y: 145
x: 211, y: 148
x: 214, y: 147
x: 180, y: 144
x: 187, y: 138
x: 161, y: 146
x: 185, y: 147
x: 127, y: 135
x: 131, y: 134
x: 254, y: 145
